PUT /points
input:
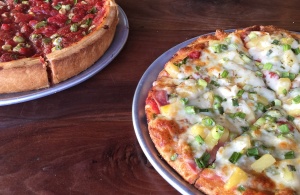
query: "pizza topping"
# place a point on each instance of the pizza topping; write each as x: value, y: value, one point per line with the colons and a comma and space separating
x: 263, y: 162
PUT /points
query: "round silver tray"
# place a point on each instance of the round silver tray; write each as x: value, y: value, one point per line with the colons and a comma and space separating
x: 140, y: 123
x: 119, y: 41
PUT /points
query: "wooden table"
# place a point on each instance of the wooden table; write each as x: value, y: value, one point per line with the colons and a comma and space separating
x: 81, y: 140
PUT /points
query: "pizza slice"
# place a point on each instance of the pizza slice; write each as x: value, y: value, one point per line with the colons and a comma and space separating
x: 277, y: 55
x: 263, y: 160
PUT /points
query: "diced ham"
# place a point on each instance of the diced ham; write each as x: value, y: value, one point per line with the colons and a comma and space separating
x: 194, y: 55
x: 161, y: 97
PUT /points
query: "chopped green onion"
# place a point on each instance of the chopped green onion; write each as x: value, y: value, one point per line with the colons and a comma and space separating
x: 199, y: 139
x: 190, y: 109
x: 184, y: 101
x: 220, y: 109
x: 291, y: 167
x: 202, y: 162
x: 269, y: 52
x: 244, y: 57
x: 252, y: 152
x: 181, y: 62
x: 235, y: 102
x: 174, y: 157
x: 260, y: 122
x: 240, y: 93
x: 244, y: 128
x: 260, y: 107
x: 241, y: 189
x: 224, y: 74
x: 57, y: 7
x: 235, y: 157
x: 275, y: 42
x: 259, y: 74
x: 218, y: 99
x: 285, y: 75
x: 212, y: 166
x: 268, y: 66
x: 290, y: 118
x: 40, y: 24
x: 203, y: 110
x: 289, y: 155
x: 218, y: 48
x: 208, y: 122
x: 217, y: 132
x: 296, y: 51
x: 296, y: 100
x: 215, y: 83
x: 202, y: 82
x: 286, y: 47
x: 284, y: 91
x: 237, y: 114
x: 73, y: 28
x: 291, y: 76
x: 284, y: 129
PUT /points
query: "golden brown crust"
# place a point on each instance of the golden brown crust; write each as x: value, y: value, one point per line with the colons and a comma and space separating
x: 163, y: 132
x: 23, y: 75
x: 78, y: 57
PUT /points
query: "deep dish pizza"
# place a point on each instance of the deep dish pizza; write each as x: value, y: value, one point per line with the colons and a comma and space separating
x: 44, y: 42
x: 225, y: 112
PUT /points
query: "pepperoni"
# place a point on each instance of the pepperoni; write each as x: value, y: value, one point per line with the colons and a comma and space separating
x: 20, y: 17
x: 42, y: 8
x: 47, y: 30
x: 21, y: 8
x: 79, y: 14
x: 72, y: 37
x: 194, y: 55
x: 8, y: 57
x: 6, y: 26
x: 59, y: 20
x: 26, y: 29
x: 26, y: 51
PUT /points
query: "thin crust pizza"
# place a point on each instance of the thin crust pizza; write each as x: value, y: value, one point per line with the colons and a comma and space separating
x: 46, y: 42
x: 223, y: 112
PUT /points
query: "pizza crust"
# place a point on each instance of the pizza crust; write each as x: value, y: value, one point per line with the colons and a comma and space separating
x: 78, y: 57
x: 23, y: 75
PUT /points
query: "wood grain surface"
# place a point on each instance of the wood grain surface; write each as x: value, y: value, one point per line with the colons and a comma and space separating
x: 81, y: 140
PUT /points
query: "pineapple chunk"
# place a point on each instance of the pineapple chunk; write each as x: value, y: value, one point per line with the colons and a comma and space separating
x: 287, y: 40
x: 172, y: 69
x: 169, y: 110
x: 284, y: 84
x: 210, y: 141
x: 225, y: 136
x: 185, y: 90
x: 263, y: 162
x: 237, y: 177
x: 287, y: 174
x: 198, y: 129
x: 259, y: 41
x: 289, y: 58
